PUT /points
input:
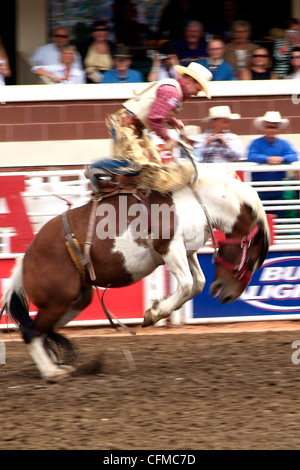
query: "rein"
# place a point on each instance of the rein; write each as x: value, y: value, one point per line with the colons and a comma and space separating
x: 239, y: 271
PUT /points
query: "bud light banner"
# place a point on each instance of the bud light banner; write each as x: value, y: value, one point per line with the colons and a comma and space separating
x: 273, y: 291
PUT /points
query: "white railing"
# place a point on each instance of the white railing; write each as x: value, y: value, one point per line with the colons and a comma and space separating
x: 115, y: 91
x: 47, y: 194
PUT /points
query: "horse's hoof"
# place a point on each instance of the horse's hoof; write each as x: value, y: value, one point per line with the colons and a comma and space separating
x: 147, y: 319
x: 62, y: 373
x: 66, y: 367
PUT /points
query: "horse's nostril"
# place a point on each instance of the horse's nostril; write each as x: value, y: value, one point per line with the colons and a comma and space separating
x: 227, y: 299
x: 216, y: 289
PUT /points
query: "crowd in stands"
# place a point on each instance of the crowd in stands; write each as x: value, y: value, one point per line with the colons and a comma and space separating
x: 160, y: 34
x: 227, y: 51
x: 229, y: 56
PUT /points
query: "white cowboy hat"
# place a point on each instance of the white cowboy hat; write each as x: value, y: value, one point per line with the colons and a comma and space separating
x: 199, y: 73
x: 192, y: 133
x: 270, y: 116
x: 217, y: 112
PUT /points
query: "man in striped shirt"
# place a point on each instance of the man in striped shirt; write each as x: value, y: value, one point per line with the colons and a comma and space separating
x: 218, y: 143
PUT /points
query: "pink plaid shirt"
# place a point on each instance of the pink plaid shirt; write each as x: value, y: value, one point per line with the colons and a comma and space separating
x: 166, y: 104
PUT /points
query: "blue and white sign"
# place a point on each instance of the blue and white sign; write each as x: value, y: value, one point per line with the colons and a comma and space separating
x: 274, y: 291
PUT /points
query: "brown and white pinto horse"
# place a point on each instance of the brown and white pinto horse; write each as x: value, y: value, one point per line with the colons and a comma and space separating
x: 131, y: 239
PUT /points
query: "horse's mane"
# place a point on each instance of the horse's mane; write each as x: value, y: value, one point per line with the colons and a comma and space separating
x: 241, y: 191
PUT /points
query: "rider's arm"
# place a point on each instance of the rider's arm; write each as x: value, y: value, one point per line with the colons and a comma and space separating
x: 162, y: 109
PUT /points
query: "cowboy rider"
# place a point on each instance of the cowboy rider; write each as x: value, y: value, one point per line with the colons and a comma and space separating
x: 134, y: 153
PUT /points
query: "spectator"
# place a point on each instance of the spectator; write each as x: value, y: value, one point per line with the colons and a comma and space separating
x: 98, y: 58
x: 162, y: 65
x: 122, y: 73
x: 221, y: 26
x: 50, y: 54
x: 271, y: 150
x: 129, y: 27
x: 273, y: 35
x: 218, y: 143
x: 215, y: 62
x: 283, y: 47
x: 174, y: 17
x: 66, y: 72
x: 260, y: 66
x: 239, y: 51
x: 192, y: 136
x: 153, y: 13
x: 5, y: 70
x: 193, y: 47
x: 294, y: 69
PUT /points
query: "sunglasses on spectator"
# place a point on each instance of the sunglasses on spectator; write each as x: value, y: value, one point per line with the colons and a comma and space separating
x: 270, y: 126
x: 61, y: 36
x: 260, y: 55
x: 295, y: 57
x: 100, y: 29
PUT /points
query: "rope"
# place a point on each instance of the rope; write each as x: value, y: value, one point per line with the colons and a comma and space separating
x: 110, y: 315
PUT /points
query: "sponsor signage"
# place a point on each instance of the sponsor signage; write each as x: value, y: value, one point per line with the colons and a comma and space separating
x: 273, y: 290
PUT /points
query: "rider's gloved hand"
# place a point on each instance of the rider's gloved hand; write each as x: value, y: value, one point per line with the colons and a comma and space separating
x: 171, y: 144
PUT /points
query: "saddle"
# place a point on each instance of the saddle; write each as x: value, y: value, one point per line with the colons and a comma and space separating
x: 106, y: 177
x: 106, y: 184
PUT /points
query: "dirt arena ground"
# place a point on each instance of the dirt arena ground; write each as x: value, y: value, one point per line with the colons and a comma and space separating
x: 188, y: 388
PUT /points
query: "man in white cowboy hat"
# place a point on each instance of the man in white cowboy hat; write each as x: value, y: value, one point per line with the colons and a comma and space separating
x: 218, y: 143
x: 154, y: 109
x: 271, y: 149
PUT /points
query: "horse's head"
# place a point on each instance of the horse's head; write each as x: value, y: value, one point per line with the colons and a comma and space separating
x: 240, y: 255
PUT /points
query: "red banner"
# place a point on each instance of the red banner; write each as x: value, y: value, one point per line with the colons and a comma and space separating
x: 16, y: 217
x: 124, y: 302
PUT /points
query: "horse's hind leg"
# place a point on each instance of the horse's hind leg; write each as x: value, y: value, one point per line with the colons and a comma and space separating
x: 60, y: 348
x: 47, y: 368
x: 83, y: 300
x: 44, y: 356
x: 18, y: 310
x: 47, y: 348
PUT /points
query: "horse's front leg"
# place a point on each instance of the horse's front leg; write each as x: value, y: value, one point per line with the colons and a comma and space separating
x: 177, y: 263
x: 198, y: 276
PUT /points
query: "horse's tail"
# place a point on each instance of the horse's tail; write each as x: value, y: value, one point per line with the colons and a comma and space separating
x: 15, y: 302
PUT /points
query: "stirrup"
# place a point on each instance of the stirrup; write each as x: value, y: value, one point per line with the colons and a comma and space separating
x: 104, y: 183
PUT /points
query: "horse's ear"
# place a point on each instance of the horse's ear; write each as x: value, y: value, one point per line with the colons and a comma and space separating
x: 263, y: 234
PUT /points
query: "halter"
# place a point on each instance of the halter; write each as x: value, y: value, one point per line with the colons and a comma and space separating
x: 239, y: 271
